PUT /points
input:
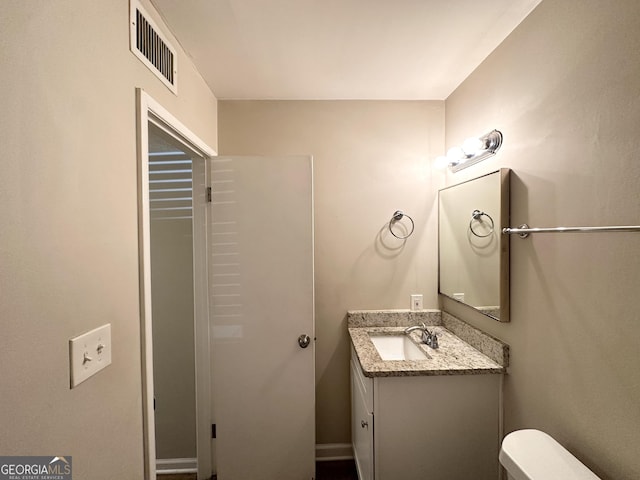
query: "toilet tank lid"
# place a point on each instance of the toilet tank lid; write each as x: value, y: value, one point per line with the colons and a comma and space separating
x: 534, y: 455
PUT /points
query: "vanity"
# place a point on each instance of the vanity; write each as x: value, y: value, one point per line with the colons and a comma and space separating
x: 422, y: 413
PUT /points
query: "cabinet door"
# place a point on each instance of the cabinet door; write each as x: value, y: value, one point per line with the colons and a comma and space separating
x: 440, y: 427
x: 361, y: 429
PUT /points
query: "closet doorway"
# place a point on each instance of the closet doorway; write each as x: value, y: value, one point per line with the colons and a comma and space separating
x: 175, y: 330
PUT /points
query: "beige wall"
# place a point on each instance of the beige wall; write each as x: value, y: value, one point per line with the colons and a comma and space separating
x: 370, y: 159
x: 564, y: 90
x: 69, y: 236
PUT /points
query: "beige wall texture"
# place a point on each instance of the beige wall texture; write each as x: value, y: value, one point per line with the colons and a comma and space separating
x: 564, y: 88
x: 69, y: 236
x: 370, y: 159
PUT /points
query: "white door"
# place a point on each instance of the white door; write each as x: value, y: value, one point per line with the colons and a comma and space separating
x: 261, y: 302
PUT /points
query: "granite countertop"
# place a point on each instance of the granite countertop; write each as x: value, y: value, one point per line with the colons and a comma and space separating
x: 453, y: 357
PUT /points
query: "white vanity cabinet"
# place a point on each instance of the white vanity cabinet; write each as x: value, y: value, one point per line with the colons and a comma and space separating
x: 362, y: 420
x: 428, y: 427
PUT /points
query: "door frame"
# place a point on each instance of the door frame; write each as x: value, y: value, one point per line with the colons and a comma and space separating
x: 150, y: 111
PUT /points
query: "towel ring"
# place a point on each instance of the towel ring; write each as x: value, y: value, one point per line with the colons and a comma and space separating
x: 397, y: 216
x: 477, y: 215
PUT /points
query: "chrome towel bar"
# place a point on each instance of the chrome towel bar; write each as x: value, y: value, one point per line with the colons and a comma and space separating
x: 524, y: 230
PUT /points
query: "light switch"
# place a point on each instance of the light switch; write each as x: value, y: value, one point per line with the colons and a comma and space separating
x: 89, y: 353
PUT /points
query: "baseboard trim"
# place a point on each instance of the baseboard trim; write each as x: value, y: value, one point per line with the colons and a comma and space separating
x: 167, y: 466
x: 326, y: 452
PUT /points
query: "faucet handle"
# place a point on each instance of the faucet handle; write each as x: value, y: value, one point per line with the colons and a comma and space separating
x: 430, y: 338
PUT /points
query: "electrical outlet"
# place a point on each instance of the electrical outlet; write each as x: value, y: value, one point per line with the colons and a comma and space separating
x: 416, y: 302
x: 89, y: 353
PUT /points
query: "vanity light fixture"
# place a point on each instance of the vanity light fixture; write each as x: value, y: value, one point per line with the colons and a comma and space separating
x: 472, y: 151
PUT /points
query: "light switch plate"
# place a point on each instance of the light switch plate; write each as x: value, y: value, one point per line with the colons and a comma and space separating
x: 89, y: 353
x: 416, y: 302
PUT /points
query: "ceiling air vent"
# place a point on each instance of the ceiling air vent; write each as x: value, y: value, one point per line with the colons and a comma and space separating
x: 149, y: 44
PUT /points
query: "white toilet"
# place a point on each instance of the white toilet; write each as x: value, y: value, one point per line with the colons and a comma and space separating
x: 534, y: 455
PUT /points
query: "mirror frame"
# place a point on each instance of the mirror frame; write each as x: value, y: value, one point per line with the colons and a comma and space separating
x: 504, y: 246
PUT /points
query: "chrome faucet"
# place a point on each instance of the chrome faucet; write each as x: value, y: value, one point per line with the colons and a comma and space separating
x: 428, y: 337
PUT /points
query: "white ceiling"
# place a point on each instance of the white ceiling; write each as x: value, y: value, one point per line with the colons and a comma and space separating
x: 340, y: 49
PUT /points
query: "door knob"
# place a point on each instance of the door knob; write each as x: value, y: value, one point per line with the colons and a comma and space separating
x: 304, y: 340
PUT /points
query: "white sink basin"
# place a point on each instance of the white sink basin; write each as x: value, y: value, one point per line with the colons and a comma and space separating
x: 397, y: 347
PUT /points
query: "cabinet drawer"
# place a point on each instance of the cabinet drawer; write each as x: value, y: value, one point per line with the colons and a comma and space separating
x: 364, y: 384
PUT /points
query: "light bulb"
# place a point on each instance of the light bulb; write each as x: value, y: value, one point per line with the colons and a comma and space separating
x: 471, y: 146
x: 455, y: 154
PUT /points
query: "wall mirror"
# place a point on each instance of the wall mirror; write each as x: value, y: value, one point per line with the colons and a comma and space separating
x: 473, y: 252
